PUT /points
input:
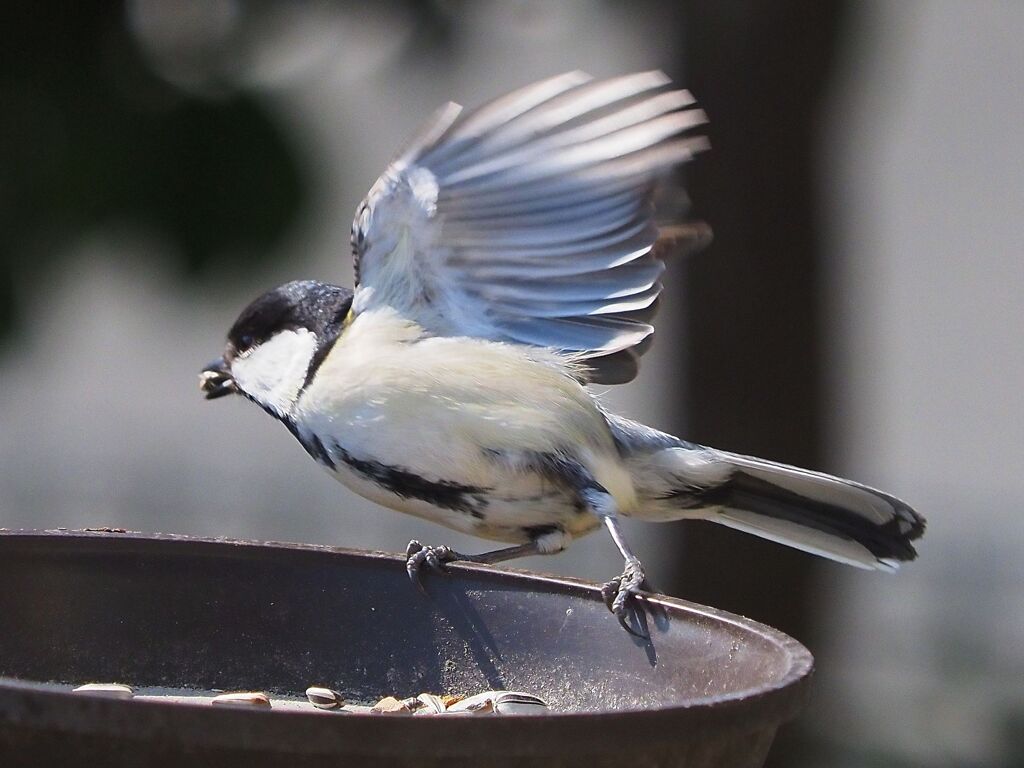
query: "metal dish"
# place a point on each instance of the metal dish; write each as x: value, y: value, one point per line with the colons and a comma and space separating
x: 708, y: 689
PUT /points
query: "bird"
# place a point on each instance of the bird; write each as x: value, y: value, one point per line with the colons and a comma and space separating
x: 508, y: 261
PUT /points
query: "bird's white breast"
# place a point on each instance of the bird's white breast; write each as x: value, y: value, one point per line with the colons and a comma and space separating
x: 449, y: 409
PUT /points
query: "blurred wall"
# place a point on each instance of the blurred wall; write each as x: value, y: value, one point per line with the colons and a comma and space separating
x: 924, y: 187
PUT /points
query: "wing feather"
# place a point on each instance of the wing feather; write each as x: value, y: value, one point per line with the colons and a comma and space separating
x: 530, y: 219
x: 498, y: 112
x: 581, y: 309
x: 536, y: 163
x: 596, y: 334
x: 638, y: 276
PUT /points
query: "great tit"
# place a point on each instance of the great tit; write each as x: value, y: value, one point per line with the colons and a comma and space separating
x: 505, y: 260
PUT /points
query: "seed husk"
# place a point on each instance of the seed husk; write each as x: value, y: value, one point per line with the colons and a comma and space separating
x: 480, y: 704
x: 429, y: 704
x: 389, y: 705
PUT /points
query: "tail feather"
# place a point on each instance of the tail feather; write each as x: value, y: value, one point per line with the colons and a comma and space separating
x: 812, y: 511
x: 818, y: 513
x: 806, y: 539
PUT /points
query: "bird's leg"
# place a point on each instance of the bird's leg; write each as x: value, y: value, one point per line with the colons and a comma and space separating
x: 417, y: 555
x: 618, y: 592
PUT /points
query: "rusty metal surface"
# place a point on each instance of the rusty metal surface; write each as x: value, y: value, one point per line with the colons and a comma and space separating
x: 155, y: 610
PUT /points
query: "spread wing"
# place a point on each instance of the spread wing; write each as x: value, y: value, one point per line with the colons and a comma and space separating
x: 529, y: 220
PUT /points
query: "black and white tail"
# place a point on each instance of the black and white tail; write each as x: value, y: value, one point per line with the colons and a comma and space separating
x: 818, y: 513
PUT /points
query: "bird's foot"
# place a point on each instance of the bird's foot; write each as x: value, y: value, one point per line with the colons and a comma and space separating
x: 618, y: 593
x: 418, y: 556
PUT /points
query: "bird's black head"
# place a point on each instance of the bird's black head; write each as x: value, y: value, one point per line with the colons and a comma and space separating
x: 276, y: 345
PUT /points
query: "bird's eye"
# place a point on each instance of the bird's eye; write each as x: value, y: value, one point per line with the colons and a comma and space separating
x: 246, y: 341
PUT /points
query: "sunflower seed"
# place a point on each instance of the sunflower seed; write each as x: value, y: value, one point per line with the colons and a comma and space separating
x: 109, y: 690
x: 518, y: 703
x: 246, y: 699
x: 500, y: 703
x: 323, y: 698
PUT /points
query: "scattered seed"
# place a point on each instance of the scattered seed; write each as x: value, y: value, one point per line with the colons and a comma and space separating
x: 247, y: 699
x: 430, y: 704
x: 487, y: 702
x: 500, y: 703
x: 390, y: 705
x: 518, y: 703
x: 109, y: 690
x: 324, y: 698
x: 481, y: 704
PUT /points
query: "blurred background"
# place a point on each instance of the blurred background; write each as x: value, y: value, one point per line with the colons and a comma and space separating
x: 859, y: 311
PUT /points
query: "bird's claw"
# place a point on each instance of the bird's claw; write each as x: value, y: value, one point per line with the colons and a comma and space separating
x: 417, y: 556
x: 618, y: 593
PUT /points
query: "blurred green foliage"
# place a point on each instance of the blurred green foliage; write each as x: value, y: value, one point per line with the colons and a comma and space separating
x: 90, y: 136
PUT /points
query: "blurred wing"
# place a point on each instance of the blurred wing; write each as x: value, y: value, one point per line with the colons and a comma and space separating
x: 529, y: 220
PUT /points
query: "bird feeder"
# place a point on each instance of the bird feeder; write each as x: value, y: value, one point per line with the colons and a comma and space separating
x: 171, y: 613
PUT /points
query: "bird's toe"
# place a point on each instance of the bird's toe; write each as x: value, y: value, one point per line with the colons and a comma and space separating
x: 618, y: 593
x: 434, y: 558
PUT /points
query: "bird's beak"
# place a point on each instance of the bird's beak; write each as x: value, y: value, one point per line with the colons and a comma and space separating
x: 215, y: 380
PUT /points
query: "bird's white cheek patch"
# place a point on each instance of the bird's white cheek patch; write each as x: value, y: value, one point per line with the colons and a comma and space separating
x: 273, y: 373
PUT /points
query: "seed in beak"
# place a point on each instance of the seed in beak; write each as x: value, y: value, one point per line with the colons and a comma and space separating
x: 215, y: 380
